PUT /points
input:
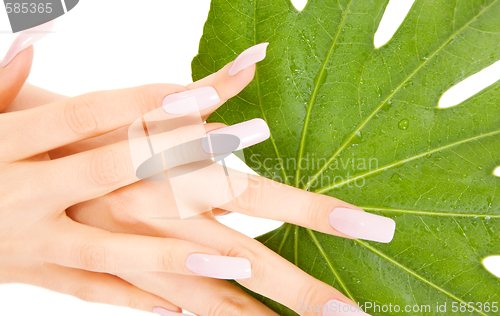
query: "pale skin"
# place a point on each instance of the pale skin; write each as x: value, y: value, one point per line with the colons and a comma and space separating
x: 76, y: 226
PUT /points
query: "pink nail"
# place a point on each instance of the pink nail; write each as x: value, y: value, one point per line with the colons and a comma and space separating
x: 249, y: 133
x: 249, y: 57
x: 359, y: 224
x: 338, y: 308
x: 219, y: 267
x: 26, y: 39
x: 163, y: 312
x: 190, y: 101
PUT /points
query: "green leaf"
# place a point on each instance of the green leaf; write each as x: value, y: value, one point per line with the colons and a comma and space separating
x: 330, y: 97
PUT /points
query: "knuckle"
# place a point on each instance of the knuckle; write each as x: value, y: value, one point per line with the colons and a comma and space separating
x: 94, y: 256
x: 79, y: 116
x: 87, y: 294
x: 181, y: 152
x: 133, y: 303
x: 107, y: 167
x: 128, y: 200
x: 253, y: 253
x: 252, y: 193
x: 167, y: 261
x: 228, y: 306
x: 308, y: 293
x: 242, y: 252
x: 259, y: 270
x: 314, y: 210
x: 147, y: 98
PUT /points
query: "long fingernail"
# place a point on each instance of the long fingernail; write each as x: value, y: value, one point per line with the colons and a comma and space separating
x: 163, y: 312
x: 249, y: 57
x: 363, y: 225
x: 26, y: 39
x: 338, y: 308
x: 190, y: 101
x: 219, y: 267
x: 248, y: 133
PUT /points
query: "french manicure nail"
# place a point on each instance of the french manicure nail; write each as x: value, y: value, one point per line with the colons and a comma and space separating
x: 26, y: 39
x: 363, y: 225
x: 249, y: 57
x: 219, y: 267
x: 248, y: 133
x: 163, y: 312
x: 190, y: 101
x: 338, y: 308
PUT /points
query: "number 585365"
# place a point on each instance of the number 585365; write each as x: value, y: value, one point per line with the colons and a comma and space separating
x: 28, y: 7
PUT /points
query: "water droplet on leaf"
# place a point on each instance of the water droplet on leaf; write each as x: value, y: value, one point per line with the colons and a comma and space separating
x: 403, y: 124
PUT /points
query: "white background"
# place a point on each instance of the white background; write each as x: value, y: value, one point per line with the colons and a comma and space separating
x: 115, y: 44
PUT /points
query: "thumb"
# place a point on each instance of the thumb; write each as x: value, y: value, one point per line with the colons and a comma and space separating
x: 13, y: 76
x: 16, y: 66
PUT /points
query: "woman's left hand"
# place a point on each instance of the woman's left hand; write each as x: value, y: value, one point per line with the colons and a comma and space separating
x: 131, y: 210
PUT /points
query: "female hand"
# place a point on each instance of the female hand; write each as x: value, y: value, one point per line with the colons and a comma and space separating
x: 39, y: 242
x: 131, y: 210
x: 13, y: 268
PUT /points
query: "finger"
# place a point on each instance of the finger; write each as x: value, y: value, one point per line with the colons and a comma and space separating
x: 201, y: 296
x: 89, y: 115
x: 91, y: 174
x: 234, y: 77
x: 94, y: 114
x: 272, y: 276
x: 26, y: 39
x: 13, y: 77
x: 226, y: 86
x: 83, y: 247
x: 32, y: 96
x: 16, y: 65
x: 266, y: 198
x: 92, y: 287
x: 260, y: 197
x: 96, y: 172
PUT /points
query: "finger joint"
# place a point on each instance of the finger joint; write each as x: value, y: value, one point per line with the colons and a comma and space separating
x: 228, y: 306
x: 94, y: 256
x: 79, y: 115
x: 107, y: 167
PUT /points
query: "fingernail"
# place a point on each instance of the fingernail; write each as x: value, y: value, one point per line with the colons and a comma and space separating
x: 363, y: 225
x: 248, y: 133
x: 219, y: 267
x: 163, y: 312
x: 338, y: 308
x: 26, y: 39
x: 190, y: 101
x: 249, y: 57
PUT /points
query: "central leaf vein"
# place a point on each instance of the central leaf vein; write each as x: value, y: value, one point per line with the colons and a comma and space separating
x: 312, y: 99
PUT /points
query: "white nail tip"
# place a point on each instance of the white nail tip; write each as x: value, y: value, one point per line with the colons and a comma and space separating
x: 249, y: 133
x: 26, y: 39
x: 363, y: 225
x: 249, y: 57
